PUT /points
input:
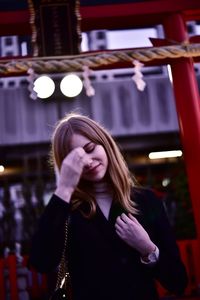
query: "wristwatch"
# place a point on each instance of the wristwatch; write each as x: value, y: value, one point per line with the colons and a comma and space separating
x: 151, y: 258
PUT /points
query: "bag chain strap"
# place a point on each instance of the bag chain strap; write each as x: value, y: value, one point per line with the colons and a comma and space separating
x: 63, y: 271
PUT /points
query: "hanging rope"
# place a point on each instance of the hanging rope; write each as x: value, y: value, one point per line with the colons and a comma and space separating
x: 96, y: 60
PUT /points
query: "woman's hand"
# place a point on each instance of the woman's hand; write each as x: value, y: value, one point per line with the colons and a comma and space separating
x: 70, y: 172
x: 131, y: 231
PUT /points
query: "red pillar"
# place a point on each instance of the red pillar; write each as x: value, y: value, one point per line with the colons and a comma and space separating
x: 188, y: 110
x: 2, y: 280
x: 12, y: 269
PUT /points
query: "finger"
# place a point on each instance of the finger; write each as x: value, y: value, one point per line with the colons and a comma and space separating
x: 118, y: 228
x: 80, y: 152
x: 120, y: 222
x: 83, y: 158
x: 80, y: 157
x: 119, y: 232
x: 88, y: 163
x: 125, y: 218
x: 133, y: 218
x: 75, y: 155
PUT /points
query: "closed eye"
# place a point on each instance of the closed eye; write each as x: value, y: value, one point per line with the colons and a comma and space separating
x: 89, y: 147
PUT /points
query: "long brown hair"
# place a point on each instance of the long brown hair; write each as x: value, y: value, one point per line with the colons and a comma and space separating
x: 118, y: 173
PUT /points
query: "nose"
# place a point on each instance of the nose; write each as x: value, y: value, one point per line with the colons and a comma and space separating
x: 89, y: 164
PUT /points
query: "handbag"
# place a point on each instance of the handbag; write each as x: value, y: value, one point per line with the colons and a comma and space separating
x: 63, y: 290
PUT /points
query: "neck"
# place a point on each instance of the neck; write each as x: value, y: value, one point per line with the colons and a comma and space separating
x: 103, y: 195
x: 101, y: 188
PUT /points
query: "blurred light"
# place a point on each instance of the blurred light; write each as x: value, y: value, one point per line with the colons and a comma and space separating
x: 117, y: 38
x: 84, y: 42
x: 166, y: 182
x: 165, y: 154
x: 44, y: 86
x: 71, y: 85
x: 169, y: 70
x: 24, y: 50
x: 2, y: 168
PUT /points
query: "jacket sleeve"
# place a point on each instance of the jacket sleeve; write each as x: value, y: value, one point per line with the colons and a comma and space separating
x: 48, y: 241
x: 169, y: 270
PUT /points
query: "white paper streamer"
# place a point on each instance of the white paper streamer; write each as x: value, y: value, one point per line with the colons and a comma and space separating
x: 90, y: 91
x: 31, y: 78
x: 137, y: 77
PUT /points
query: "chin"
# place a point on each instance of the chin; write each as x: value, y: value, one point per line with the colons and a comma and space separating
x: 97, y: 178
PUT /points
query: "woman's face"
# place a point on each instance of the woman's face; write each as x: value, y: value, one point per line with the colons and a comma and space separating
x: 97, y: 156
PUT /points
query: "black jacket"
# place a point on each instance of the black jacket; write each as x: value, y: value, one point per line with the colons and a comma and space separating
x: 102, y: 266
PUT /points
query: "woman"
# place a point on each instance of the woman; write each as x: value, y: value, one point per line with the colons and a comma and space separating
x: 120, y: 240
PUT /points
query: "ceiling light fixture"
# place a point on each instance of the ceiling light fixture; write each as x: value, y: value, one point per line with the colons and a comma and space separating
x: 165, y: 154
x: 2, y: 169
x: 44, y: 86
x: 71, y: 85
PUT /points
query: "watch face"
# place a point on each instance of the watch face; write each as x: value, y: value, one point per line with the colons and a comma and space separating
x: 152, y: 257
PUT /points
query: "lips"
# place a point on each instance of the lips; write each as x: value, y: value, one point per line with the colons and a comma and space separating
x: 93, y: 169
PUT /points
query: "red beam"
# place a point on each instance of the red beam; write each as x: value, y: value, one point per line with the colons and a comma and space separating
x: 140, y: 14
x: 116, y: 16
x: 14, y: 23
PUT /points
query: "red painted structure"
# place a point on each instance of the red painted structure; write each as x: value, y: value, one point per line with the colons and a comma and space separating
x: 35, y: 284
x: 188, y: 111
x: 172, y: 14
x: 115, y: 16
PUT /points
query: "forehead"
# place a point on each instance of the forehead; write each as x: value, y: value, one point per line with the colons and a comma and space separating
x: 78, y: 140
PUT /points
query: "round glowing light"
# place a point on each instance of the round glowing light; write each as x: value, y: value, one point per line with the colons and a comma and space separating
x: 71, y: 85
x: 2, y: 168
x: 44, y: 86
x: 166, y: 182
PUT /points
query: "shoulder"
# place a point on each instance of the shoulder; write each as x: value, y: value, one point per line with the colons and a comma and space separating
x: 147, y: 201
x: 145, y: 195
